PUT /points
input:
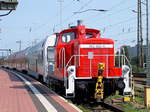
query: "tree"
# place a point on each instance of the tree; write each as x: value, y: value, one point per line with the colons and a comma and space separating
x: 125, y: 51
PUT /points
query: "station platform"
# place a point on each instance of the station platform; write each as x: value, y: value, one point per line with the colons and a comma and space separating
x: 20, y: 93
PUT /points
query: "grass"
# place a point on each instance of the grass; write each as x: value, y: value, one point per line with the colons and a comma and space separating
x: 130, y: 107
x: 136, y: 106
x: 84, y: 108
x: 139, y: 100
x: 127, y: 107
x: 139, y: 95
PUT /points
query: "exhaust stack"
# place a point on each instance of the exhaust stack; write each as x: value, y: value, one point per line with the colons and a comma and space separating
x: 79, y: 22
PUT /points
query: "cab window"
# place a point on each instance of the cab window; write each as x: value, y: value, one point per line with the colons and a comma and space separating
x: 67, y: 37
x: 89, y: 35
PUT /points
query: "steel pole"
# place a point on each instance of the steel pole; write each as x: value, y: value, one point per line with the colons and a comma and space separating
x: 138, y: 30
x: 147, y: 27
x: 147, y: 42
x: 60, y: 1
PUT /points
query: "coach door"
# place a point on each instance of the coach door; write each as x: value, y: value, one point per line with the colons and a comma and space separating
x: 51, y: 53
x: 51, y: 59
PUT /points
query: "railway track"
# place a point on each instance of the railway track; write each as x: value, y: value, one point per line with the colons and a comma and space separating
x: 94, y: 107
x: 141, y: 81
x: 139, y: 75
x: 102, y: 107
x: 139, y: 78
x: 108, y: 107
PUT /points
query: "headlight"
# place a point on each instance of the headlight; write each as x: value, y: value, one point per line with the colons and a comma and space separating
x: 71, y: 69
x: 125, y: 69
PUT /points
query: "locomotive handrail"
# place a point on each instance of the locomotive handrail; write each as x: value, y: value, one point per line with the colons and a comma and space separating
x: 65, y: 67
x: 98, y: 55
x: 62, y: 53
x: 126, y: 59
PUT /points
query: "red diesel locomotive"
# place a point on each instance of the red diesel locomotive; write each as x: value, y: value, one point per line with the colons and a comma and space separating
x: 78, y: 62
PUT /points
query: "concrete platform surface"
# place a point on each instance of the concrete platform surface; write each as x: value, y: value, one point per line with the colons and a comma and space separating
x: 20, y: 93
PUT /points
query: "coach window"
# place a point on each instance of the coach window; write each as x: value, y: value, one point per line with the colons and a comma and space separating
x: 50, y: 53
x: 67, y: 37
x: 42, y: 55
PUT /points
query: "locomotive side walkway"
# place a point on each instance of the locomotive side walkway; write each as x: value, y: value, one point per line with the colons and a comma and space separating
x: 20, y: 93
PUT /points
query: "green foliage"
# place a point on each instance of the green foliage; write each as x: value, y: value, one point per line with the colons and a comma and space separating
x: 139, y: 100
x: 128, y: 108
x: 84, y: 108
x: 134, y: 63
x: 138, y: 69
x: 126, y: 52
x: 119, y: 60
x: 134, y: 60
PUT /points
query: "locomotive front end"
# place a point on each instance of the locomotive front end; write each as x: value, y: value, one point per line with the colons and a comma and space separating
x: 98, y: 71
x: 90, y: 64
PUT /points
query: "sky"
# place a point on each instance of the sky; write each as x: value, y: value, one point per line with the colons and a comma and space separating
x: 33, y: 20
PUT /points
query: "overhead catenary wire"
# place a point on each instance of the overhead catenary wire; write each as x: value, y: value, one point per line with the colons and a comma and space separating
x: 120, y: 22
x: 85, y: 5
x: 127, y: 32
x: 81, y: 8
x: 122, y: 36
x: 118, y: 4
x: 55, y: 16
x: 124, y: 33
x: 107, y: 15
x: 69, y: 17
x: 66, y: 19
x: 111, y: 12
x: 51, y: 28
